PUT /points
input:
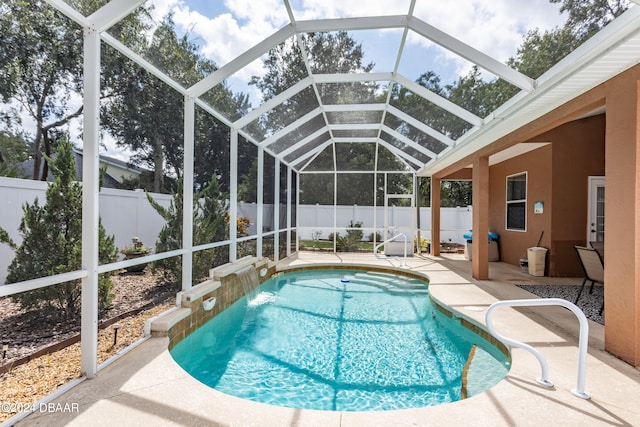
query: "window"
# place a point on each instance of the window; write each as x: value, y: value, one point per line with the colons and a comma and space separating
x: 517, y: 202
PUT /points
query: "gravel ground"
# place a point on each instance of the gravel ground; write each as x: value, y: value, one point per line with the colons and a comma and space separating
x: 26, y: 384
x: 590, y: 304
x: 29, y: 332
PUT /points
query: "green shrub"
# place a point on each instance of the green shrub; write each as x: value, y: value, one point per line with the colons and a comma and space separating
x: 355, y: 233
x: 347, y: 243
x: 210, y: 224
x: 52, y: 243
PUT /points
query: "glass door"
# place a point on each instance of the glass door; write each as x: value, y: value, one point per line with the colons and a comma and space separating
x: 595, y: 224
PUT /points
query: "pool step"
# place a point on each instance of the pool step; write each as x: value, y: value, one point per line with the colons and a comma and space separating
x: 390, y: 282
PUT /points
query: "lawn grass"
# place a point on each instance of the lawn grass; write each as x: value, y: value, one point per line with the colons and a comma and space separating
x: 328, y: 244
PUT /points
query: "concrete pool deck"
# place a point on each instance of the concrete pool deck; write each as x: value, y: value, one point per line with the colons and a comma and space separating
x: 145, y: 387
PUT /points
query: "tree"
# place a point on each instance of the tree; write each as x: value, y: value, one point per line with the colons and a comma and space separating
x: 455, y: 193
x: 587, y: 17
x: 52, y: 243
x: 210, y: 213
x: 541, y: 51
x: 40, y: 52
x: 212, y: 155
x: 41, y: 67
x: 147, y: 115
x: 14, y: 150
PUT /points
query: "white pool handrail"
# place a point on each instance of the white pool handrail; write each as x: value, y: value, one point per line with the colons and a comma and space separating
x: 583, y: 340
x: 403, y: 263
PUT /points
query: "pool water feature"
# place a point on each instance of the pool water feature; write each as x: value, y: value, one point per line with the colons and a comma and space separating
x: 311, y: 340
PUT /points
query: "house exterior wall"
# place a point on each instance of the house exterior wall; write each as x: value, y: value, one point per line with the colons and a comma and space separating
x: 621, y: 97
x: 514, y: 244
x: 119, y: 173
x: 578, y: 152
x: 558, y: 176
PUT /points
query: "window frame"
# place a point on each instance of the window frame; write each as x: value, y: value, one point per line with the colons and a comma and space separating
x: 518, y: 201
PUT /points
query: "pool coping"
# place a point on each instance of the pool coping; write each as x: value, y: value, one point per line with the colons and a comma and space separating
x: 146, y: 387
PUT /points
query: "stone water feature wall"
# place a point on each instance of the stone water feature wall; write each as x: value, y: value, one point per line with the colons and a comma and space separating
x: 227, y: 284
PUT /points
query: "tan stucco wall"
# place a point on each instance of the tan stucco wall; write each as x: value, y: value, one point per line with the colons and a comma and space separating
x: 622, y: 220
x: 514, y: 244
x: 578, y: 152
x: 558, y: 176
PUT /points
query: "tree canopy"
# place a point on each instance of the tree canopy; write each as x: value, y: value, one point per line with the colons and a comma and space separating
x: 147, y: 115
x: 41, y: 73
x: 14, y: 149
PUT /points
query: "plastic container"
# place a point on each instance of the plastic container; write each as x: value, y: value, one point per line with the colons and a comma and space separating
x: 494, y: 251
x: 536, y: 257
x: 491, y: 236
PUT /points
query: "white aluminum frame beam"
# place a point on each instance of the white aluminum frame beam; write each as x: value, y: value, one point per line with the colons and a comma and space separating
x: 355, y: 126
x: 345, y: 108
x: 70, y: 12
x: 276, y: 210
x: 411, y: 143
x: 464, y: 50
x: 260, y: 201
x: 439, y: 101
x: 187, y: 191
x: 421, y: 126
x: 352, y: 77
x: 401, y: 154
x: 273, y: 102
x: 367, y: 139
x: 291, y: 127
x: 352, y: 24
x: 241, y: 61
x: 112, y: 13
x: 310, y: 150
x: 233, y: 195
x: 303, y: 142
x: 289, y: 182
x: 311, y: 155
x: 90, y: 202
x: 103, y: 18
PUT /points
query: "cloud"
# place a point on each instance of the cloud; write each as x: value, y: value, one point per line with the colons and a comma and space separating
x: 494, y: 27
x: 225, y: 34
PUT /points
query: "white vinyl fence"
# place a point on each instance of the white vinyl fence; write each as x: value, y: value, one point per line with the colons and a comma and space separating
x: 318, y: 221
x: 126, y: 214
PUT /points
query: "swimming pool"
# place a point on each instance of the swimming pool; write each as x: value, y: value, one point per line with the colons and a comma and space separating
x: 341, y: 340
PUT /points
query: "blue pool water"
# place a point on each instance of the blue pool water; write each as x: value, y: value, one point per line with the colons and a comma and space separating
x: 342, y: 341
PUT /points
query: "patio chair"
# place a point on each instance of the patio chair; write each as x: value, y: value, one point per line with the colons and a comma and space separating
x: 599, y: 247
x: 593, y: 267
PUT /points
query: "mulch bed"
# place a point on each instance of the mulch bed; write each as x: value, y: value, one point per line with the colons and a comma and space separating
x: 38, y: 341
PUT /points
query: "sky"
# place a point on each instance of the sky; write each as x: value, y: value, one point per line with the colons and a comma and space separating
x: 226, y: 28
